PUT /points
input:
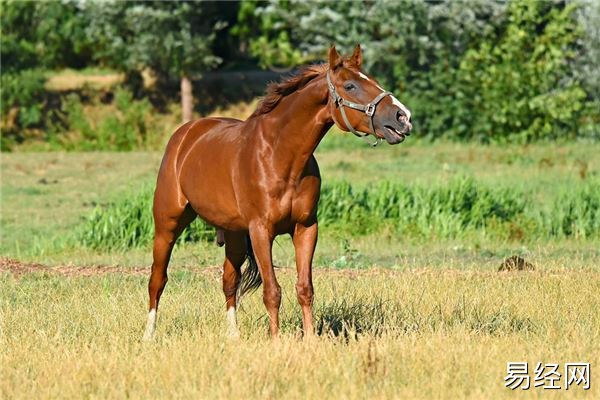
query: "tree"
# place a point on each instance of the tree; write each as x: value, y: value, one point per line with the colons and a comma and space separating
x: 398, y: 37
x: 586, y: 68
x: 35, y: 37
x: 518, y: 70
x: 522, y: 84
x: 173, y: 39
x: 46, y: 35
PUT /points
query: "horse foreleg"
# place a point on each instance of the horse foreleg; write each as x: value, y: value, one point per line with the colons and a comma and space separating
x: 305, y: 241
x: 262, y: 243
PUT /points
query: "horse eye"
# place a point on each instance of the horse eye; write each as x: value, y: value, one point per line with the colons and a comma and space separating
x: 349, y: 86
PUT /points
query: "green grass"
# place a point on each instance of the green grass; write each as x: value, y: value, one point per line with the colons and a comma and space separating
x: 46, y: 197
x: 461, y: 209
x: 128, y: 222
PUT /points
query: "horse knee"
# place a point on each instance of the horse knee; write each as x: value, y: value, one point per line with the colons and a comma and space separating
x: 232, y: 273
x: 157, y: 283
x: 272, y: 296
x: 229, y: 287
x: 304, y: 291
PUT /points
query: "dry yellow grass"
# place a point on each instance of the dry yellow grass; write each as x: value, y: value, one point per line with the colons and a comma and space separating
x: 72, y: 80
x: 241, y: 110
x: 414, y: 334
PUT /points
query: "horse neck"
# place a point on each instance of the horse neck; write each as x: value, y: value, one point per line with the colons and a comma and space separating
x: 296, y: 125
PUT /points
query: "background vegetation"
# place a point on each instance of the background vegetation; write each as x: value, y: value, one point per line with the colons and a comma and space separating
x: 491, y: 71
x: 463, y: 203
x: 518, y: 71
x: 456, y: 210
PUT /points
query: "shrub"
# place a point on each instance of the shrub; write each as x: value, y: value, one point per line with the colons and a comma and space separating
x: 23, y: 99
x: 460, y: 208
x: 127, y: 222
x: 521, y: 87
x: 129, y: 127
x: 493, y: 71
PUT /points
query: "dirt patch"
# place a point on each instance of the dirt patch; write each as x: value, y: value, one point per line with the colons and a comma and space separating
x: 72, y: 81
x: 516, y: 263
x: 19, y: 268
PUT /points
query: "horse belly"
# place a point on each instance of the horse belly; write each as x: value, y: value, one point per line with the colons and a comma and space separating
x: 207, y: 184
x: 215, y: 208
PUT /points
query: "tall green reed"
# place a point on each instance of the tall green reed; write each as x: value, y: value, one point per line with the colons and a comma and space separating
x: 454, y: 210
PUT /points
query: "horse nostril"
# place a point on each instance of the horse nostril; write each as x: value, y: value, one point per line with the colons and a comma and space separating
x: 400, y: 116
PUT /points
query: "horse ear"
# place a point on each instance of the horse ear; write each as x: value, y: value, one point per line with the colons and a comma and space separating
x: 335, y: 60
x: 356, y: 58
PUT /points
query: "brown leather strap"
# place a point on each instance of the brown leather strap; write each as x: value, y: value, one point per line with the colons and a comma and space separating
x: 368, y: 109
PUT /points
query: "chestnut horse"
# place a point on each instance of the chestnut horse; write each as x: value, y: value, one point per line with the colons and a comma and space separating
x: 258, y: 178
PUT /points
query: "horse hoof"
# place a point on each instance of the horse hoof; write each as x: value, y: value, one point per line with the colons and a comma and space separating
x: 233, y: 334
x: 147, y: 338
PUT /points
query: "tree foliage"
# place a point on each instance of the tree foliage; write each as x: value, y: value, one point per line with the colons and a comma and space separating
x: 521, y: 85
x: 519, y: 70
x: 36, y: 36
x: 173, y: 39
x: 490, y: 71
x: 47, y: 35
x: 397, y: 36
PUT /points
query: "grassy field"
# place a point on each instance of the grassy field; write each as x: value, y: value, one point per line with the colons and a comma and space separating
x: 398, y: 316
x: 384, y: 334
x: 45, y: 196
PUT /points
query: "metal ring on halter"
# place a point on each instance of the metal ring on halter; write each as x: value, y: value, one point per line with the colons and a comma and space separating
x: 369, y: 109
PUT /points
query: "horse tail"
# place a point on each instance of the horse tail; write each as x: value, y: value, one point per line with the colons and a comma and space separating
x: 251, y: 279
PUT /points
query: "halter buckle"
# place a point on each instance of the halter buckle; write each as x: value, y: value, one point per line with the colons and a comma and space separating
x: 370, y: 109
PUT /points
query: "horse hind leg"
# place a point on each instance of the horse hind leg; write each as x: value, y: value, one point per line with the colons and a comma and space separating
x: 235, y: 255
x: 168, y: 227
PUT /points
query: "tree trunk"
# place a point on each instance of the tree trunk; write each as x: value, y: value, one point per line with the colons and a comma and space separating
x: 187, y: 99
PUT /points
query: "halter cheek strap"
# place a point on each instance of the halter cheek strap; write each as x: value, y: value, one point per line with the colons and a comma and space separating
x: 368, y: 109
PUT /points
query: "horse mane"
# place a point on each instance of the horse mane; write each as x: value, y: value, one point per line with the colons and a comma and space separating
x: 278, y: 90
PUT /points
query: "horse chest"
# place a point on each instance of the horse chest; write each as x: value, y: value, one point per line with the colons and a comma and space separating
x: 286, y: 204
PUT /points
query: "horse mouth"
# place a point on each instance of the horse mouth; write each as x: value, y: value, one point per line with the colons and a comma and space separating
x: 393, y: 135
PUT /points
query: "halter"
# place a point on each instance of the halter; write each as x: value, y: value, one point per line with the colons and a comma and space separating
x: 368, y: 109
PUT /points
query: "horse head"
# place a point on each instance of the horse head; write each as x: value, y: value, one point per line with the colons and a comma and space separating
x: 360, y: 105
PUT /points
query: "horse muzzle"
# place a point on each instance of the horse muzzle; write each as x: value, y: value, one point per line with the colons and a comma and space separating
x: 397, y: 132
x: 396, y: 127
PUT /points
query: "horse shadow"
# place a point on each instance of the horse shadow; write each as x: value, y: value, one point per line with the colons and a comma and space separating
x: 346, y: 319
